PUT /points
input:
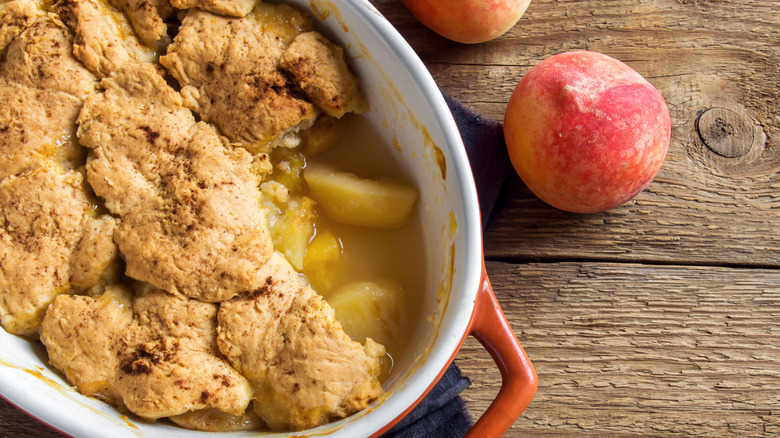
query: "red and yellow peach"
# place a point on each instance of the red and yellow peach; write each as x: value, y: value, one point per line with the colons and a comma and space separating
x: 585, y: 132
x: 468, y: 21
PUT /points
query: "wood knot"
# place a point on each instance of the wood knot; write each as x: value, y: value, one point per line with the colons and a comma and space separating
x: 725, y: 132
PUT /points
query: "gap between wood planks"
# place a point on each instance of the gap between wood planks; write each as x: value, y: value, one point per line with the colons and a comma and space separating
x: 622, y: 260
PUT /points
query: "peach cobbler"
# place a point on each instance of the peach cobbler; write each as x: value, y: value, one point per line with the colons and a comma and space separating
x: 172, y: 226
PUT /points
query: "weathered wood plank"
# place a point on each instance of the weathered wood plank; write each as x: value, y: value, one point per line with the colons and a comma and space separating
x: 703, y: 208
x: 626, y: 349
x: 15, y: 423
x: 635, y: 349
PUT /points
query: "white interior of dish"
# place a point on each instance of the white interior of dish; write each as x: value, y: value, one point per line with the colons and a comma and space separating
x: 403, y: 99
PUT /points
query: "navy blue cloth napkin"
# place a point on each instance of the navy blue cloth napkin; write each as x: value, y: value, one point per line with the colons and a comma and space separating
x: 486, y: 149
x: 443, y: 413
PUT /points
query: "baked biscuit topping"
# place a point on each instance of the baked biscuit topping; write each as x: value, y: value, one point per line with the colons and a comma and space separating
x: 229, y: 72
x: 302, y: 366
x: 231, y: 8
x: 191, y: 221
x: 158, y: 362
x: 15, y: 16
x: 133, y: 232
x: 42, y: 88
x: 320, y: 69
x: 40, y: 57
x: 45, y: 212
x: 102, y: 43
x: 146, y: 17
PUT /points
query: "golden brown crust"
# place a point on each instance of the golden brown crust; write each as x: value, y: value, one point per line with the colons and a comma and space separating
x: 106, y: 119
x: 81, y: 335
x: 40, y: 57
x: 44, y: 209
x: 168, y: 363
x: 188, y: 221
x: 32, y: 121
x: 15, y: 16
x: 94, y: 253
x: 320, y: 69
x: 228, y: 70
x: 158, y: 364
x: 42, y: 87
x: 284, y: 338
x: 191, y: 222
x: 231, y: 8
x: 42, y: 212
x: 99, y: 43
x: 147, y: 17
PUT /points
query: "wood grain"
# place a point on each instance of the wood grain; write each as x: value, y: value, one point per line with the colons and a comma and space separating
x: 700, y: 55
x: 661, y: 317
x: 634, y: 349
x: 15, y: 423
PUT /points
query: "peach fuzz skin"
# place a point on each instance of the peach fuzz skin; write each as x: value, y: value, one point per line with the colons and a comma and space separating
x: 468, y: 21
x: 585, y: 132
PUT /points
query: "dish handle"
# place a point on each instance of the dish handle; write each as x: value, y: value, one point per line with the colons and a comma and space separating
x: 518, y: 377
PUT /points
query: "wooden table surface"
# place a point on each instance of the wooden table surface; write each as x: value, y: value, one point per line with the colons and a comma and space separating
x: 660, y: 317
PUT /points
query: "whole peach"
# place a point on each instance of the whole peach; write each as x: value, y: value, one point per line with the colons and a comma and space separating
x: 468, y: 21
x: 585, y: 132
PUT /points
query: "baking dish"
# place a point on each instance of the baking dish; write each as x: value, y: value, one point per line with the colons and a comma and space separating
x: 412, y: 118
